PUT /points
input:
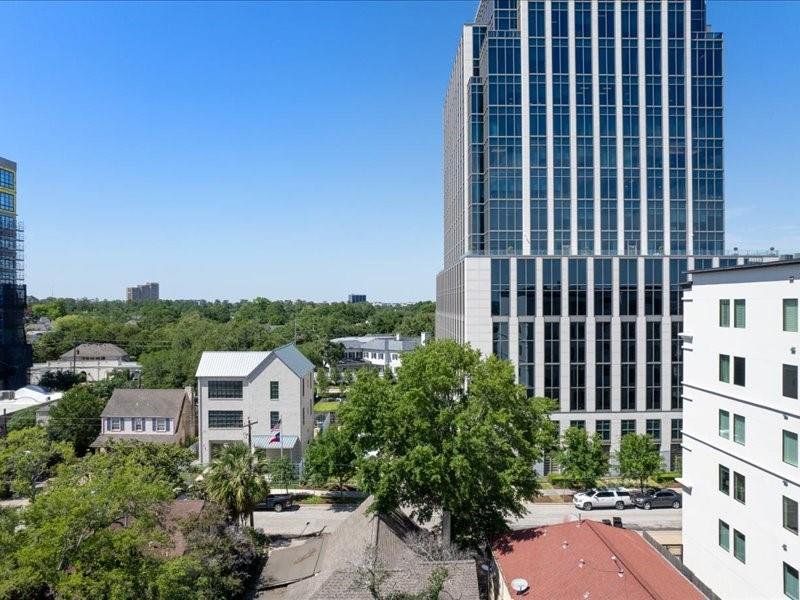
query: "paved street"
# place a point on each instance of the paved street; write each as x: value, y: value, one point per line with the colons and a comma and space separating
x: 312, y: 518
x: 303, y: 519
x: 632, y: 518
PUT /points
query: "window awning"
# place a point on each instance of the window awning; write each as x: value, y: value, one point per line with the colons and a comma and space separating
x: 262, y: 441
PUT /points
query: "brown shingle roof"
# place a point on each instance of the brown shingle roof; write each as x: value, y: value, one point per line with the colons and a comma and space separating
x: 571, y: 559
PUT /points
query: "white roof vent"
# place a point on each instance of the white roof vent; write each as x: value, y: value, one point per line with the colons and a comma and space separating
x: 519, y: 585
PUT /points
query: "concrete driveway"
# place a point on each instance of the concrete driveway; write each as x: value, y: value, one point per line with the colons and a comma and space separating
x: 632, y: 518
x: 303, y: 519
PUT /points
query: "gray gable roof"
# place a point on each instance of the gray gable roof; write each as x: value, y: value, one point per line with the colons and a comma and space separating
x: 95, y: 352
x: 144, y: 403
x: 294, y: 359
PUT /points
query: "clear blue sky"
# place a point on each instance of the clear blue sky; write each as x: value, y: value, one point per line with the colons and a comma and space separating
x: 292, y: 150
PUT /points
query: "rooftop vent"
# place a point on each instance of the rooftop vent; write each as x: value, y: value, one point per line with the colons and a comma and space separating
x: 519, y: 585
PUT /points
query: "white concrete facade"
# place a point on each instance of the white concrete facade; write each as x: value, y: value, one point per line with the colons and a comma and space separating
x: 735, y: 428
x: 257, y: 402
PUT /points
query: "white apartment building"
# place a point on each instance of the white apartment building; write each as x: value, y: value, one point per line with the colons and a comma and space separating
x: 740, y: 430
x: 263, y: 388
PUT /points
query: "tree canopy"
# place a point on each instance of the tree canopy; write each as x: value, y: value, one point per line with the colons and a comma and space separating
x: 639, y: 458
x: 454, y: 433
x: 28, y: 457
x: 330, y: 456
x: 76, y: 417
x: 582, y: 458
x: 237, y: 479
x: 168, y: 336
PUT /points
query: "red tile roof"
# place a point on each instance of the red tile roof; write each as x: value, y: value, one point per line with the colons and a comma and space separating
x: 570, y: 560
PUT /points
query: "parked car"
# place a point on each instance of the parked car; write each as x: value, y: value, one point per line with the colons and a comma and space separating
x: 665, y: 498
x: 603, y: 498
x: 276, y: 502
x: 648, y: 491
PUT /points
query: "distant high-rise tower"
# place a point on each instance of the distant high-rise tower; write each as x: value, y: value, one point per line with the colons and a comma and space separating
x: 582, y: 180
x: 15, y: 352
x: 143, y: 292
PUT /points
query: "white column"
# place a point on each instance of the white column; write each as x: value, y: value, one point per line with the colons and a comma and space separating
x: 466, y: 73
x: 642, y: 130
x: 548, y: 61
x: 524, y: 61
x: 665, y: 118
x: 620, y: 131
x: 573, y: 138
x: 596, y: 127
x: 539, y: 332
x: 513, y: 327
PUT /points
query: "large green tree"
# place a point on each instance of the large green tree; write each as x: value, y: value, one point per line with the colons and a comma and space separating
x: 76, y: 417
x: 455, y: 433
x: 331, y: 456
x: 639, y: 458
x: 28, y: 457
x: 237, y: 479
x: 582, y: 458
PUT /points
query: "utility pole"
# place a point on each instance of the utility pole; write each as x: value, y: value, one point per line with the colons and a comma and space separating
x: 249, y: 426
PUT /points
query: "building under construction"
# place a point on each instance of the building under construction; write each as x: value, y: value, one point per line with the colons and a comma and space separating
x: 15, y: 352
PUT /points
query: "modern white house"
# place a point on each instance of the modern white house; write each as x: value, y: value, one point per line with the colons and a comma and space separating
x: 270, y: 390
x: 741, y: 424
x: 383, y: 351
x: 13, y: 401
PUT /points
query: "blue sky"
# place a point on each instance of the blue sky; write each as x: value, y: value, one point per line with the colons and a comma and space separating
x: 292, y: 150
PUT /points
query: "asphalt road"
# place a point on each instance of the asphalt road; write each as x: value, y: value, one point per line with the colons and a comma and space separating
x: 632, y: 518
x: 312, y: 518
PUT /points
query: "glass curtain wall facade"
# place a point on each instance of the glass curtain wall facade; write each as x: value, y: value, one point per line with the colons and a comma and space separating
x: 15, y: 353
x: 582, y: 181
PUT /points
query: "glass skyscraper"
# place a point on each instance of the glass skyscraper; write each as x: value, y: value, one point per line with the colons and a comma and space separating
x: 583, y: 178
x: 15, y: 353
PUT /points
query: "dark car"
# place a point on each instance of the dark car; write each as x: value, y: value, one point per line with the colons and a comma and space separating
x: 660, y: 499
x: 648, y: 491
x: 276, y: 502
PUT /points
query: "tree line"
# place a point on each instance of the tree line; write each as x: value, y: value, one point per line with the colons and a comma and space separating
x: 168, y: 336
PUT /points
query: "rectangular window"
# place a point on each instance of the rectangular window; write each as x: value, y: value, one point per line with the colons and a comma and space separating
x: 500, y: 339
x: 653, y: 366
x: 274, y: 419
x: 724, y: 313
x: 551, y: 287
x: 738, y: 545
x: 603, y: 289
x: 790, y: 514
x: 501, y: 289
x: 724, y: 535
x: 628, y: 366
x: 138, y: 424
x: 790, y: 381
x: 791, y: 582
x: 653, y: 429
x: 577, y: 365
x: 739, y: 314
x: 526, y: 287
x: 115, y: 424
x: 724, y: 424
x: 724, y: 368
x: 526, y: 355
x: 552, y: 359
x: 724, y: 480
x: 739, y: 487
x: 628, y: 426
x: 677, y: 430
x: 628, y: 287
x: 738, y: 371
x: 603, y: 429
x: 790, y: 448
x: 602, y: 377
x: 225, y: 419
x: 577, y: 287
x: 578, y: 424
x: 790, y: 314
x: 738, y: 429
x: 274, y: 390
x: 222, y: 389
x: 160, y: 424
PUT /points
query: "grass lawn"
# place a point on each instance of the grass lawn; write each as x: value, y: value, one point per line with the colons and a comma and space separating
x: 321, y: 407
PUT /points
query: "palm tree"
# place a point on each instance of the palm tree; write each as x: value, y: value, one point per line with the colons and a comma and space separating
x: 237, y: 480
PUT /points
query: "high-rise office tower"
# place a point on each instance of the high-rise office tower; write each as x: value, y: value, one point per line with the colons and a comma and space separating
x: 15, y: 352
x: 582, y: 180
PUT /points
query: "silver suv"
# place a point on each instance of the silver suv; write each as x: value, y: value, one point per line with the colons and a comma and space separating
x: 604, y: 498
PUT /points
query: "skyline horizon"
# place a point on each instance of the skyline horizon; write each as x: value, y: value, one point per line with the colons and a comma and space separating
x: 375, y: 143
